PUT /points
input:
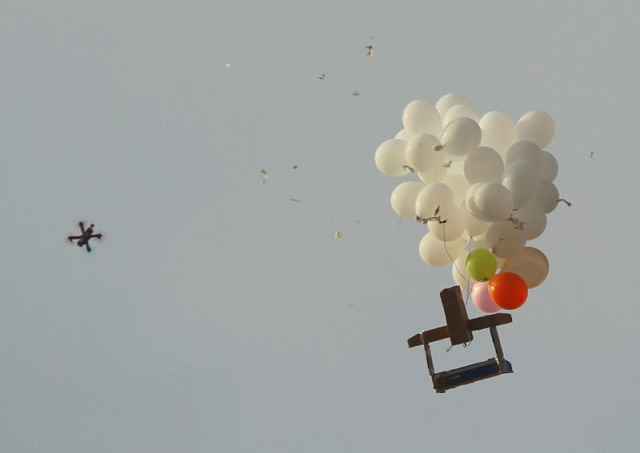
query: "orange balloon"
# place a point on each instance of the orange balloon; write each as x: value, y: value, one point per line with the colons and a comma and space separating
x: 508, y: 290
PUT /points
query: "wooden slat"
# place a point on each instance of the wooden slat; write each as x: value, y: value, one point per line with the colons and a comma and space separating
x: 456, y: 314
x: 415, y: 340
x: 437, y: 334
x: 485, y: 322
x: 441, y: 333
x: 496, y: 342
x: 428, y: 336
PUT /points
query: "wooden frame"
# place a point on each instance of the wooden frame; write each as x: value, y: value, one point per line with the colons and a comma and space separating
x: 459, y: 329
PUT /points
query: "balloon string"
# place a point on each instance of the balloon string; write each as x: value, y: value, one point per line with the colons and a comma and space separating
x: 568, y: 203
x: 444, y: 242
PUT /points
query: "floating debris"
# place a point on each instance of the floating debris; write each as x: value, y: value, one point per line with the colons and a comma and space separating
x: 411, y: 169
x: 369, y: 50
x: 447, y: 164
x: 355, y: 93
x: 295, y: 199
x: 265, y: 174
x: 295, y: 167
x: 592, y: 154
x: 227, y: 65
x: 337, y: 234
x: 322, y: 76
x: 435, y: 217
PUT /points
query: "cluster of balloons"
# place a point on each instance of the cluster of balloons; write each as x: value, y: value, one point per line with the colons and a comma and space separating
x: 485, y: 188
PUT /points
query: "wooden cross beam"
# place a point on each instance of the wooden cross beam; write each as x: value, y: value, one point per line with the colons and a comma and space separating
x: 459, y: 326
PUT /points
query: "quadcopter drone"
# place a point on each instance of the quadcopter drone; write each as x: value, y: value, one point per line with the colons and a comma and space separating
x: 85, y: 237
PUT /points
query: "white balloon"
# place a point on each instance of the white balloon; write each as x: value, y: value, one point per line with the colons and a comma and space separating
x: 505, y: 239
x: 435, y: 174
x: 498, y: 131
x: 421, y: 155
x: 452, y: 229
x: 530, y: 264
x: 390, y: 158
x: 524, y: 149
x: 472, y: 225
x: 449, y: 100
x: 536, y: 126
x: 403, y: 198
x: 457, y: 165
x: 437, y: 253
x: 459, y: 111
x: 460, y: 274
x: 461, y: 136
x: 402, y: 135
x: 483, y: 165
x: 522, y: 178
x: 493, y: 201
x: 470, y: 203
x: 480, y: 241
x: 459, y: 186
x: 549, y: 166
x: 434, y: 197
x: 547, y: 196
x: 420, y: 117
x: 534, y: 219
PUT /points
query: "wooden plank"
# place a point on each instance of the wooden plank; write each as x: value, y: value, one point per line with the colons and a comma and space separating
x: 415, y: 340
x: 440, y: 333
x: 456, y: 314
x: 428, y: 336
x: 485, y: 322
x: 496, y: 342
x: 427, y: 352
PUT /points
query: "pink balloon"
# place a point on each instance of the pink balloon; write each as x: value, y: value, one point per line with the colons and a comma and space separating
x: 481, y: 299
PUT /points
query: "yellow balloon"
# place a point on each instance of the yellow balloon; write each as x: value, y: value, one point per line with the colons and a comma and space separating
x: 481, y: 265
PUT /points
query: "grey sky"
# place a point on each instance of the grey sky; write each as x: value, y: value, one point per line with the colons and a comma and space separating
x: 219, y: 316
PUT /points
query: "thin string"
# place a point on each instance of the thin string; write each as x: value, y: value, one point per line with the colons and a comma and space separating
x: 444, y: 236
x: 444, y: 242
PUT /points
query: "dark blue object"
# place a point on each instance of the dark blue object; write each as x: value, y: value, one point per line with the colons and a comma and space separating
x: 446, y: 380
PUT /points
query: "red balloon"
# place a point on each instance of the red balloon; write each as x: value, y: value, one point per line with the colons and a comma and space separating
x: 508, y: 290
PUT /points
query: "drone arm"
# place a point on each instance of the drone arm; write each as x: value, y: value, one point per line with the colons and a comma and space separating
x: 81, y: 224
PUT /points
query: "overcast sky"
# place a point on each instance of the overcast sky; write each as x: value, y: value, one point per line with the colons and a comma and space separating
x: 220, y: 316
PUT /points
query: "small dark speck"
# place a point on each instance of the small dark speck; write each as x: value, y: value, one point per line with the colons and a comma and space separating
x: 294, y: 199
